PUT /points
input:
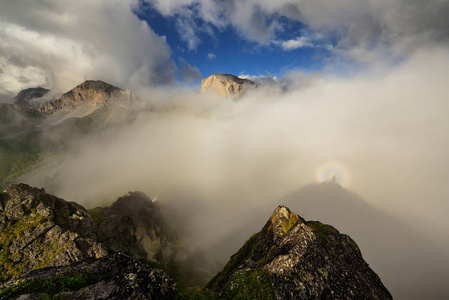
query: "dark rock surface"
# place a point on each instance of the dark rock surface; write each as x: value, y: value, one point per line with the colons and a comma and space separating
x: 133, y: 223
x: 24, y: 97
x: 116, y: 276
x: 299, y: 260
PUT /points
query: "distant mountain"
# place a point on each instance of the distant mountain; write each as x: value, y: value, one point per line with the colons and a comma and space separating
x: 93, y: 93
x: 24, y: 97
x: 291, y: 258
x: 30, y: 134
x: 226, y: 85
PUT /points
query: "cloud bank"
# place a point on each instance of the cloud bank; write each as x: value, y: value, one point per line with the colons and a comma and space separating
x: 363, y: 31
x: 58, y: 44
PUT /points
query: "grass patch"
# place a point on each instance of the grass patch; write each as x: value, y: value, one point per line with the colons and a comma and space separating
x: 253, y: 284
x: 50, y: 286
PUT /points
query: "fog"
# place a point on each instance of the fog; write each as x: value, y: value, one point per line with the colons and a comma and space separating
x: 383, y: 132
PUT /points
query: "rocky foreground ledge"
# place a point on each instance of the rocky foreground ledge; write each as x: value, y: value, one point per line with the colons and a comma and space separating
x: 291, y: 258
x: 51, y: 248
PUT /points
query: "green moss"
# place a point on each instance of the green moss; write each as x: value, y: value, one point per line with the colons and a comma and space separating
x: 269, y: 257
x: 50, y: 286
x: 244, y: 284
x: 322, y: 230
x: 12, y: 265
x: 252, y: 284
x: 292, y: 221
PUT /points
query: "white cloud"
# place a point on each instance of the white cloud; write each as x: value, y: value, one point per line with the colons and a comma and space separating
x: 300, y: 42
x: 59, y: 44
x: 211, y: 56
x: 385, y: 27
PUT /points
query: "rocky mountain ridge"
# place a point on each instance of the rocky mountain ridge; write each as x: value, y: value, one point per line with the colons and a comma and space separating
x: 48, y: 242
x: 225, y: 85
x: 291, y: 258
x: 94, y: 93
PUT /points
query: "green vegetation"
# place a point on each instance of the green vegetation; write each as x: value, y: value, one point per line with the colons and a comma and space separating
x: 51, y: 286
x: 18, y: 155
x: 322, y: 230
x: 251, y: 284
x: 244, y: 284
x: 13, y: 265
x: 19, y: 142
x: 292, y: 221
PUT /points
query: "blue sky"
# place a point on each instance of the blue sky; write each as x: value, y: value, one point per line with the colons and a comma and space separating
x: 227, y: 51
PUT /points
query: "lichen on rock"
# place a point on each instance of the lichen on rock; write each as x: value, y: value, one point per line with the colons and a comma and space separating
x: 41, y: 230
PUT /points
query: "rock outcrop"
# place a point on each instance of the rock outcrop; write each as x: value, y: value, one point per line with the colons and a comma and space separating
x: 40, y: 230
x: 116, y: 276
x: 92, y: 93
x: 226, y: 85
x: 24, y: 97
x: 133, y: 223
x: 291, y: 258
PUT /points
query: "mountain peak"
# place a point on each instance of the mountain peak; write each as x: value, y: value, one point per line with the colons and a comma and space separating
x: 94, y: 93
x: 225, y: 85
x: 96, y: 85
x: 282, y: 220
x: 307, y: 258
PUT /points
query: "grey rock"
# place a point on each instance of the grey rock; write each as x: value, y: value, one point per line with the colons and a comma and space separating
x: 116, y: 276
x: 303, y: 260
x: 133, y: 223
x: 39, y: 230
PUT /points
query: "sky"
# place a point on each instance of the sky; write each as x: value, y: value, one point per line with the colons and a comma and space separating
x: 135, y: 43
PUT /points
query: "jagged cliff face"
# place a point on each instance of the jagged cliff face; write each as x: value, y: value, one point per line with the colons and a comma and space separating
x: 225, y: 85
x: 290, y: 258
x: 90, y: 93
x: 294, y: 259
x: 133, y: 223
x: 40, y: 230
